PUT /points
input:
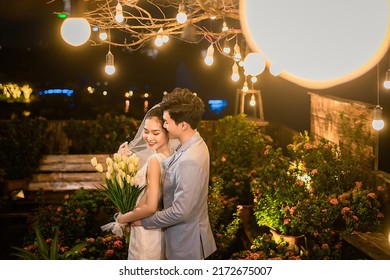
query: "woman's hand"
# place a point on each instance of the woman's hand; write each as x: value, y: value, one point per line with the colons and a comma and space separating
x: 124, y: 149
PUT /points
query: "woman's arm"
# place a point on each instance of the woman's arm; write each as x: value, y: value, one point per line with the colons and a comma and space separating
x: 148, y: 204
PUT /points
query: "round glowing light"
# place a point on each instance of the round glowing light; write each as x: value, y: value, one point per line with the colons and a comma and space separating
x: 318, y: 44
x: 254, y: 64
x: 209, y: 60
x: 275, y: 70
x: 75, y: 31
x: 109, y: 69
x: 181, y: 17
x: 378, y: 124
x: 158, y: 41
x: 103, y: 35
x: 386, y: 84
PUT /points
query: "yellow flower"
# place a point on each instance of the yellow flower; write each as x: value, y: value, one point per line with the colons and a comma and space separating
x: 117, y: 157
x: 99, y: 168
x: 109, y: 161
x: 94, y: 161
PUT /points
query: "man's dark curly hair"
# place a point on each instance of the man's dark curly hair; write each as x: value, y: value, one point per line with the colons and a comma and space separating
x: 183, y: 105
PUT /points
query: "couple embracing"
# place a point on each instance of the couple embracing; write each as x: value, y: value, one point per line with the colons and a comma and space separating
x: 171, y: 218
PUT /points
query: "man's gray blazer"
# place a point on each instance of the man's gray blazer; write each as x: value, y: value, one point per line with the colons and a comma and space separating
x: 185, y: 217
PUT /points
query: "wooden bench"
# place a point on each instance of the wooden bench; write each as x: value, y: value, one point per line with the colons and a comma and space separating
x: 369, y: 245
x: 67, y: 172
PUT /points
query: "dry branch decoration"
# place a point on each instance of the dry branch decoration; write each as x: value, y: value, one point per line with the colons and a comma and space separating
x: 144, y: 20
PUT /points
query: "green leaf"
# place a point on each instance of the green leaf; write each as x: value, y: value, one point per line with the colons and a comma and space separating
x: 42, y: 246
x: 23, y: 254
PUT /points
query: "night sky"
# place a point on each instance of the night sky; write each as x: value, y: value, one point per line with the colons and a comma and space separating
x: 31, y: 50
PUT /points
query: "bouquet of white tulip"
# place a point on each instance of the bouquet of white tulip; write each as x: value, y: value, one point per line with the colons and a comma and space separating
x: 120, y: 186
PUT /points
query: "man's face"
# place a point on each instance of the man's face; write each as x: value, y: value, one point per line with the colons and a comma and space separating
x: 174, y: 130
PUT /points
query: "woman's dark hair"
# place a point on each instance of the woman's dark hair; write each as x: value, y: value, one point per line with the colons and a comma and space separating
x: 157, y: 112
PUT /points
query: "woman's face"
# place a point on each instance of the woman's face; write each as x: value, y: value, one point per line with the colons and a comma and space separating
x: 154, y: 134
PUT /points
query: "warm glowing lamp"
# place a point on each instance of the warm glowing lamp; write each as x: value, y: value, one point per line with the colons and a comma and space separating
x: 235, y: 75
x: 75, y: 31
x: 386, y: 83
x: 103, y: 35
x: 110, y: 68
x: 181, y: 16
x: 378, y: 122
x: 318, y: 44
x: 252, y: 102
x: 209, y: 59
x: 254, y: 64
x: 119, y: 13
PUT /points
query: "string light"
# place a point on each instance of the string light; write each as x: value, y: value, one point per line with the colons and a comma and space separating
x: 181, y: 16
x: 226, y: 47
x: 245, y: 87
x: 119, y: 13
x: 110, y: 68
x: 386, y: 83
x: 377, y: 122
x: 236, y: 53
x: 235, y: 75
x: 254, y: 64
x: 224, y: 27
x: 252, y: 102
x: 103, y: 35
x: 209, y: 59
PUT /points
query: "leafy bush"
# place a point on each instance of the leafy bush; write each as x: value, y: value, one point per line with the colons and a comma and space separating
x: 236, y: 148
x: 78, y: 215
x: 21, y: 146
x: 101, y: 136
x: 224, y: 219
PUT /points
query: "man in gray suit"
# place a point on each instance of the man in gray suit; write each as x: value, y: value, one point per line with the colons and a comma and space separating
x: 185, y: 217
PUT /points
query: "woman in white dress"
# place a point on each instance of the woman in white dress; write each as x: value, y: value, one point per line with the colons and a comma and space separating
x: 152, y: 149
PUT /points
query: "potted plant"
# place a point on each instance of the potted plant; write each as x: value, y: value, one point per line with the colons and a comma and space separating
x: 316, y: 190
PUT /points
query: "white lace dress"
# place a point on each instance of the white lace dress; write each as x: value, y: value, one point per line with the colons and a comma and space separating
x: 147, y: 244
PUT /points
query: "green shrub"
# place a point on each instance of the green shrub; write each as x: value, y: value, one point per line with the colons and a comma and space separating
x: 21, y: 146
x: 104, y: 135
x: 236, y: 148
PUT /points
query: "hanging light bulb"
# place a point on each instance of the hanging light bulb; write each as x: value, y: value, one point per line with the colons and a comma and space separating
x: 159, y: 39
x: 226, y: 47
x: 209, y: 59
x: 252, y: 102
x: 181, y: 16
x: 224, y: 27
x: 75, y: 31
x: 245, y: 87
x: 235, y: 75
x: 378, y: 122
x: 237, y: 53
x: 119, y: 13
x: 165, y: 38
x: 275, y: 70
x: 386, y: 83
x: 253, y: 79
x: 254, y: 64
x: 103, y: 35
x: 110, y: 68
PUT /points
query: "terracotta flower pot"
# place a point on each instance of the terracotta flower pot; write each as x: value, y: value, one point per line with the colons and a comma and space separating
x: 294, y: 242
